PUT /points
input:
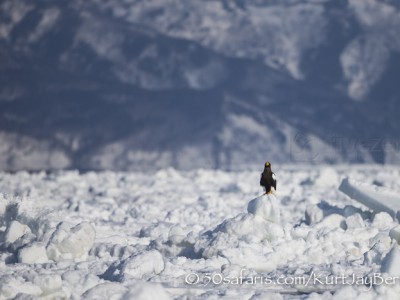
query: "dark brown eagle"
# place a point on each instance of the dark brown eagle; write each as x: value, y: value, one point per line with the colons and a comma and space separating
x: 268, y: 179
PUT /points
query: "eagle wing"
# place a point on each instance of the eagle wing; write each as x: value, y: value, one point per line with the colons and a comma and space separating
x: 274, y: 181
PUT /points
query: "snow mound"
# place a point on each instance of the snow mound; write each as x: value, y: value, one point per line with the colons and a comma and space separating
x: 239, y: 238
x: 14, y: 231
x: 33, y: 236
x: 33, y: 254
x: 49, y: 284
x: 266, y: 207
x: 146, y: 291
x: 10, y: 287
x: 71, y: 242
x: 136, y: 290
x: 136, y: 266
x: 105, y: 291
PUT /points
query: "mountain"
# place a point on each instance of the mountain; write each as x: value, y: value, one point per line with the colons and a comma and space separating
x: 145, y: 84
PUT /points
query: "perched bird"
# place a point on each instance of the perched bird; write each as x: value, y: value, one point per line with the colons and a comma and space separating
x: 268, y: 179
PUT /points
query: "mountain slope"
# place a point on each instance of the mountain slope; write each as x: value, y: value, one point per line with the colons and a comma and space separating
x: 148, y: 84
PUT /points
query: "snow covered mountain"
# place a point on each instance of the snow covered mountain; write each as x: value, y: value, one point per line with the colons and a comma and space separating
x: 141, y: 84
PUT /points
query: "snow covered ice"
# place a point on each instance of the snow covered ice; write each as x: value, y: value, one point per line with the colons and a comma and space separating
x: 164, y: 235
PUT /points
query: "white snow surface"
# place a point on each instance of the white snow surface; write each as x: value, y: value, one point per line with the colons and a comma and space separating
x: 177, y: 235
x: 376, y: 198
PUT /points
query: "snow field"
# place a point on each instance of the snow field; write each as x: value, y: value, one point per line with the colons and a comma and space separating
x: 134, y: 235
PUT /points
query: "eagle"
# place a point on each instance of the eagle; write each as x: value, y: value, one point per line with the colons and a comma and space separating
x: 268, y: 179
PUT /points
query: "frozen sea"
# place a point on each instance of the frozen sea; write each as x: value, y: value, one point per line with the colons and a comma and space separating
x: 203, y: 234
